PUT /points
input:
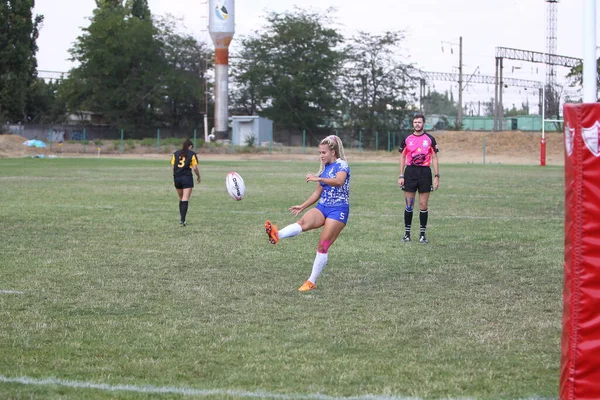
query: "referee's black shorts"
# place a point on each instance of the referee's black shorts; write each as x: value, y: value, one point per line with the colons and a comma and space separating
x: 183, y: 182
x: 417, y: 179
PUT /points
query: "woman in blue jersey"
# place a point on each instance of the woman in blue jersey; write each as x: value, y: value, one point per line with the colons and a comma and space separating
x: 184, y: 161
x: 332, y: 195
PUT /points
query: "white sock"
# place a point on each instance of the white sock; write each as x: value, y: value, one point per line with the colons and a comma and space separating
x: 290, y: 231
x: 318, y: 265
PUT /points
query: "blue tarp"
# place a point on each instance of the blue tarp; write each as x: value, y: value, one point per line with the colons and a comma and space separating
x: 34, y: 143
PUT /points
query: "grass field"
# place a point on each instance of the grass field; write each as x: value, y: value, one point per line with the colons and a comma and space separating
x: 104, y: 295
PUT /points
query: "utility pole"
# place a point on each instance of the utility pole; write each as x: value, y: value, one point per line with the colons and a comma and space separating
x: 460, y: 84
x: 460, y: 78
x: 421, y: 95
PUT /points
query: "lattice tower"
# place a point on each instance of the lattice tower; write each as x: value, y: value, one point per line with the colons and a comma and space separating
x: 551, y: 40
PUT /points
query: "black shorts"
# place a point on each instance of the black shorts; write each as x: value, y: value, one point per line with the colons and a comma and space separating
x: 183, y: 182
x: 417, y: 178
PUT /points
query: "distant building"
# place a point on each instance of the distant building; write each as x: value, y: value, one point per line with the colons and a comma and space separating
x: 246, y: 127
x: 85, y: 118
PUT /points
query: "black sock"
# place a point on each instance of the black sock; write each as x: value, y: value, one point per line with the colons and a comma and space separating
x: 180, y: 211
x: 423, y: 220
x: 183, y: 210
x: 408, y: 215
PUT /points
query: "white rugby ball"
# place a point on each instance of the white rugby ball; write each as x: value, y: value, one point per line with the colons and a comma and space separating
x: 235, y: 186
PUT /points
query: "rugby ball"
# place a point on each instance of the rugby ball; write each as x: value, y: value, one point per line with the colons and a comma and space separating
x: 236, y: 188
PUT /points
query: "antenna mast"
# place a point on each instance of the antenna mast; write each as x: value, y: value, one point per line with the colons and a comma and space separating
x: 552, y: 101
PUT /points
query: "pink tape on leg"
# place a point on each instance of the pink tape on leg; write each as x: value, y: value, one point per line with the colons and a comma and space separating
x: 324, y: 246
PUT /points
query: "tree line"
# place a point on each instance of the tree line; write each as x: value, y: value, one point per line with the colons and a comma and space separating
x: 141, y: 71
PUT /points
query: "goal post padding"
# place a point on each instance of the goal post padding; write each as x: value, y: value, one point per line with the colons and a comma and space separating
x: 580, y: 342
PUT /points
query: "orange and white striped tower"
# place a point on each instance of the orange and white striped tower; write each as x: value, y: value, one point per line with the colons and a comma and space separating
x: 221, y: 26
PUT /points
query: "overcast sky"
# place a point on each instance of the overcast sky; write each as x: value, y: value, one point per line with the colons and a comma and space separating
x: 432, y: 27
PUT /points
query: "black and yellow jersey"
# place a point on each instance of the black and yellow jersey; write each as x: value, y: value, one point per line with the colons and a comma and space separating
x: 182, y: 166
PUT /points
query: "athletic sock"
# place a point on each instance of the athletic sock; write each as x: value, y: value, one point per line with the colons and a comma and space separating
x: 408, y: 216
x: 290, y: 231
x: 318, y: 265
x: 184, y: 209
x: 423, y: 220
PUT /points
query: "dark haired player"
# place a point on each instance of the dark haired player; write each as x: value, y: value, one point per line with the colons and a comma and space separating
x: 183, y: 162
x: 419, y: 152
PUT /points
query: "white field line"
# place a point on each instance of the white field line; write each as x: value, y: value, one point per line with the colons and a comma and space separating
x: 10, y: 292
x: 502, y: 218
x: 185, y: 391
x: 494, y: 217
x: 23, y: 380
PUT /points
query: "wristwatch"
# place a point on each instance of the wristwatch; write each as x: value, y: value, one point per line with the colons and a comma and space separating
x: 437, y: 175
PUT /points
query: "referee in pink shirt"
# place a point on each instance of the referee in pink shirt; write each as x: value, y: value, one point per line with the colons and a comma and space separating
x: 418, y: 154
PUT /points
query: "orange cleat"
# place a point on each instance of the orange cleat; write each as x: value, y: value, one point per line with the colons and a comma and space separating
x: 272, y: 232
x: 306, y: 286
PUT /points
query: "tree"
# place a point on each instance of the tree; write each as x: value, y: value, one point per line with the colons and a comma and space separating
x: 439, y: 103
x: 376, y: 85
x: 553, y: 95
x: 43, y: 104
x: 140, y: 9
x: 184, y: 78
x: 119, y: 66
x: 248, y: 70
x: 513, y: 112
x: 18, y: 65
x: 291, y: 75
x: 576, y: 74
x: 107, y: 4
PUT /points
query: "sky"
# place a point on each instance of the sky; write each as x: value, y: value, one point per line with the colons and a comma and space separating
x: 432, y: 28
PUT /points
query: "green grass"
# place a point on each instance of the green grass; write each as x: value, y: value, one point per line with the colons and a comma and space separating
x: 115, y: 292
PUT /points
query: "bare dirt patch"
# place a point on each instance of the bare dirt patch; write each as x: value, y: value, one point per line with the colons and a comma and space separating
x: 512, y: 147
x: 12, y: 146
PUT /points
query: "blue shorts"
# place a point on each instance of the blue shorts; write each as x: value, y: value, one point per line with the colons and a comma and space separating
x: 338, y: 213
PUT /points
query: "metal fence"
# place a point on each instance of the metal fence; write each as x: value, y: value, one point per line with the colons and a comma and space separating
x: 282, y: 137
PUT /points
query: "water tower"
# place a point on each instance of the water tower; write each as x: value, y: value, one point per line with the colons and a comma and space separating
x: 221, y: 26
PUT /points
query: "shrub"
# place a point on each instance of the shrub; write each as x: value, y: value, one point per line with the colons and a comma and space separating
x: 148, y: 142
x: 250, y: 141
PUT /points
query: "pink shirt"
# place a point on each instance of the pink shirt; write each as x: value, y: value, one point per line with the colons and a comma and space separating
x: 418, y: 149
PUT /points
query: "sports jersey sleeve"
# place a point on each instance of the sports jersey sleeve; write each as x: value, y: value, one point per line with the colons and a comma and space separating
x: 194, y: 161
x: 342, y: 166
x: 434, y: 145
x: 331, y: 172
x: 172, y: 159
x: 402, y: 145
